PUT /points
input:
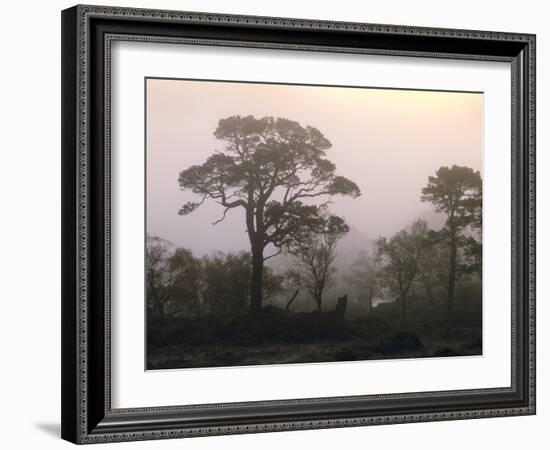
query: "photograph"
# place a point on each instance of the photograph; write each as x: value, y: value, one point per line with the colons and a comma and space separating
x: 292, y: 223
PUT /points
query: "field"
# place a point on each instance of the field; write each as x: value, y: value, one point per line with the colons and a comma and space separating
x: 278, y: 337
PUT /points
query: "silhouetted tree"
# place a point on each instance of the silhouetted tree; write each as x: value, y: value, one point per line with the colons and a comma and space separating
x: 268, y: 168
x: 455, y: 192
x: 315, y: 254
x: 401, y: 257
x: 172, y: 278
x: 185, y: 279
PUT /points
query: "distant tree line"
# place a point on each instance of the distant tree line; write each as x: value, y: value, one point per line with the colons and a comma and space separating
x: 180, y: 284
x: 430, y: 258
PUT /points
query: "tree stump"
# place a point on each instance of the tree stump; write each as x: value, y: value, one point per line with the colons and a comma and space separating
x: 341, y: 305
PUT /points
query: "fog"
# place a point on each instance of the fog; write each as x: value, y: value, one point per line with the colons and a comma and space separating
x: 387, y: 141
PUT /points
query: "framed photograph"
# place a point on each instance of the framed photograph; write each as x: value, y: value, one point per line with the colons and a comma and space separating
x: 279, y: 224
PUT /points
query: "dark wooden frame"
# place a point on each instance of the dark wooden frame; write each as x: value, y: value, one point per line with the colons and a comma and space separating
x: 87, y: 32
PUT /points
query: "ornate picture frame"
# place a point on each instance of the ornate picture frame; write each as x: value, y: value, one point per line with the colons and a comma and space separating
x: 88, y: 415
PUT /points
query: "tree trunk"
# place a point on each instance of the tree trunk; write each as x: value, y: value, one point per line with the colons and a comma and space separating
x: 319, y: 301
x: 428, y: 288
x: 292, y: 299
x: 404, y: 308
x: 256, y: 293
x: 452, y: 281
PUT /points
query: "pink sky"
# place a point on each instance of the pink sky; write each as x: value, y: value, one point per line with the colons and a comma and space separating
x: 387, y: 141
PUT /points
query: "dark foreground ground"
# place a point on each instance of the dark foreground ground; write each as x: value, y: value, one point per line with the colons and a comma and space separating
x: 278, y: 337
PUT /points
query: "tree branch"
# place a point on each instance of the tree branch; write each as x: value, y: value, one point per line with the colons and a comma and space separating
x: 222, y: 217
x: 274, y: 254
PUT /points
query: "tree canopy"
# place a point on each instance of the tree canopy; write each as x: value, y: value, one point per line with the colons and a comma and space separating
x: 456, y: 192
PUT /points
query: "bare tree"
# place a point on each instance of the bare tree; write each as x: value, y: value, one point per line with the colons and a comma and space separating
x: 314, y: 256
x: 157, y: 274
x: 401, y: 257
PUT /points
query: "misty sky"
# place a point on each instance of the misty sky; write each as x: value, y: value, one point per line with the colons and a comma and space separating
x: 386, y: 141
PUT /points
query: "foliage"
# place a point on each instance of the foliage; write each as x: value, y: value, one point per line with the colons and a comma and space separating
x: 225, y: 282
x: 225, y: 286
x: 180, y: 284
x: 434, y: 266
x: 172, y: 278
x: 456, y: 192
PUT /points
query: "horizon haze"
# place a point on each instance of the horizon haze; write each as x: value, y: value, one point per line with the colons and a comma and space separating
x: 388, y: 141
